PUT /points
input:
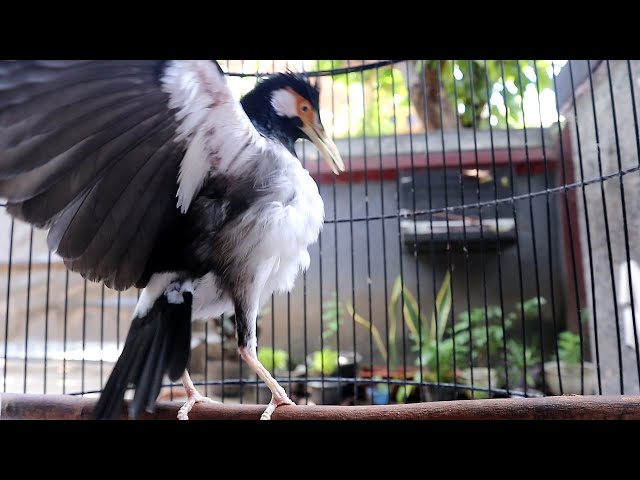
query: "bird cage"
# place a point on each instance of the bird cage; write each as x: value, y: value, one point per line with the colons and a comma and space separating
x: 480, y: 249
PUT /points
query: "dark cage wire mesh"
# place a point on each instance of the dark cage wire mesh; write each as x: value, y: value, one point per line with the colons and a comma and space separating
x: 482, y: 243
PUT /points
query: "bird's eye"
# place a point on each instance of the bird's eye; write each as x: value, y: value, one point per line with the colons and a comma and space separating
x: 305, y: 108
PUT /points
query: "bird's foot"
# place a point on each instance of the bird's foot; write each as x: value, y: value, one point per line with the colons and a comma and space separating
x: 276, y: 401
x: 194, y: 397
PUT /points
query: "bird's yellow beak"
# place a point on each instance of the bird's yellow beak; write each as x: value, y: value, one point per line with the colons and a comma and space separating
x: 325, y: 145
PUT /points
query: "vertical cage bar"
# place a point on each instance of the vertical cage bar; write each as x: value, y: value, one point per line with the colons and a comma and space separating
x: 446, y: 212
x: 399, y: 234
x: 569, y: 228
x: 534, y: 243
x: 465, y: 252
x: 413, y: 207
x: 549, y: 241
x: 387, y: 318
x: 335, y: 231
x: 515, y: 219
x: 6, y: 319
x: 624, y: 228
x: 351, y: 216
x: 489, y: 88
x: 46, y: 324
x: 587, y: 228
x: 28, y: 309
x: 606, y: 226
x: 368, y: 244
x: 483, y: 261
x: 65, y: 330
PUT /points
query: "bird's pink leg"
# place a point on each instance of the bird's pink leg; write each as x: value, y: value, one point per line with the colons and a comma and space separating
x: 193, y: 397
x: 278, y: 395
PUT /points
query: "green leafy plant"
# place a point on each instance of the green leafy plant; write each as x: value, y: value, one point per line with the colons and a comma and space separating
x: 520, y: 359
x: 569, y: 371
x: 481, y: 331
x: 324, y: 362
x: 403, y: 307
x: 273, y: 358
x: 436, y: 351
x: 569, y: 347
x: 333, y: 313
x: 477, y: 339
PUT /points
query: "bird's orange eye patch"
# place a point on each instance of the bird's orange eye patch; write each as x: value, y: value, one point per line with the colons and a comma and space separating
x: 305, y: 111
x: 303, y: 107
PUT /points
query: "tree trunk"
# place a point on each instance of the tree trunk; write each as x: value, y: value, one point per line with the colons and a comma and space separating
x: 434, y: 117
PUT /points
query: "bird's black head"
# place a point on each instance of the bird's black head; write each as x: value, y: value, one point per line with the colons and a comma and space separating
x: 286, y: 107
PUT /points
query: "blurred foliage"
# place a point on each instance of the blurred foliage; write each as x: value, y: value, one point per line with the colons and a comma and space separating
x: 494, y: 87
x: 333, y: 313
x: 403, y: 308
x: 273, y: 358
x: 324, y: 362
x: 484, y: 333
x: 377, y: 101
x: 374, y: 102
x: 569, y: 347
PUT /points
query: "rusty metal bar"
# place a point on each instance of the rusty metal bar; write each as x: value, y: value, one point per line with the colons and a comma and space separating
x: 569, y: 407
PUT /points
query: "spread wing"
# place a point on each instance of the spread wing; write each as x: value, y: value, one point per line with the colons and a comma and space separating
x: 108, y: 154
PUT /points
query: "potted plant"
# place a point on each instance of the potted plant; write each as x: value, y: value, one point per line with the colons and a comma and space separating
x: 335, y: 369
x: 481, y: 334
x: 523, y: 363
x: 334, y: 314
x: 378, y: 391
x: 479, y: 338
x: 439, y: 353
x: 403, y: 307
x: 434, y: 362
x: 570, y: 368
x: 324, y: 363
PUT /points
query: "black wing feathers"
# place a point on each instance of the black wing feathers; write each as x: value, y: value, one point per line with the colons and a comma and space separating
x: 87, y: 148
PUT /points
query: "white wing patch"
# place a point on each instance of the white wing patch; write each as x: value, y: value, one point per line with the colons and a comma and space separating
x: 220, y: 137
x: 193, y: 170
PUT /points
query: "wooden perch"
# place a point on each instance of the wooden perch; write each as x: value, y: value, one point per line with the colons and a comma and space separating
x: 570, y: 407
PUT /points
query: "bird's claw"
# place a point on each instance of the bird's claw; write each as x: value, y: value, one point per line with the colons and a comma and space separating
x: 195, y: 397
x: 275, y: 403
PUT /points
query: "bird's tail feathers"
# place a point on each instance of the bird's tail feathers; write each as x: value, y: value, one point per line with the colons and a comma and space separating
x: 158, y: 344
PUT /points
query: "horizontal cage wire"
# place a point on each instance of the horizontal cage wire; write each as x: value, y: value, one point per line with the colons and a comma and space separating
x: 482, y: 243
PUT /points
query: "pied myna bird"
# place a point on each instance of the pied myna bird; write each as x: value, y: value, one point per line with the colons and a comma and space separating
x: 149, y: 174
